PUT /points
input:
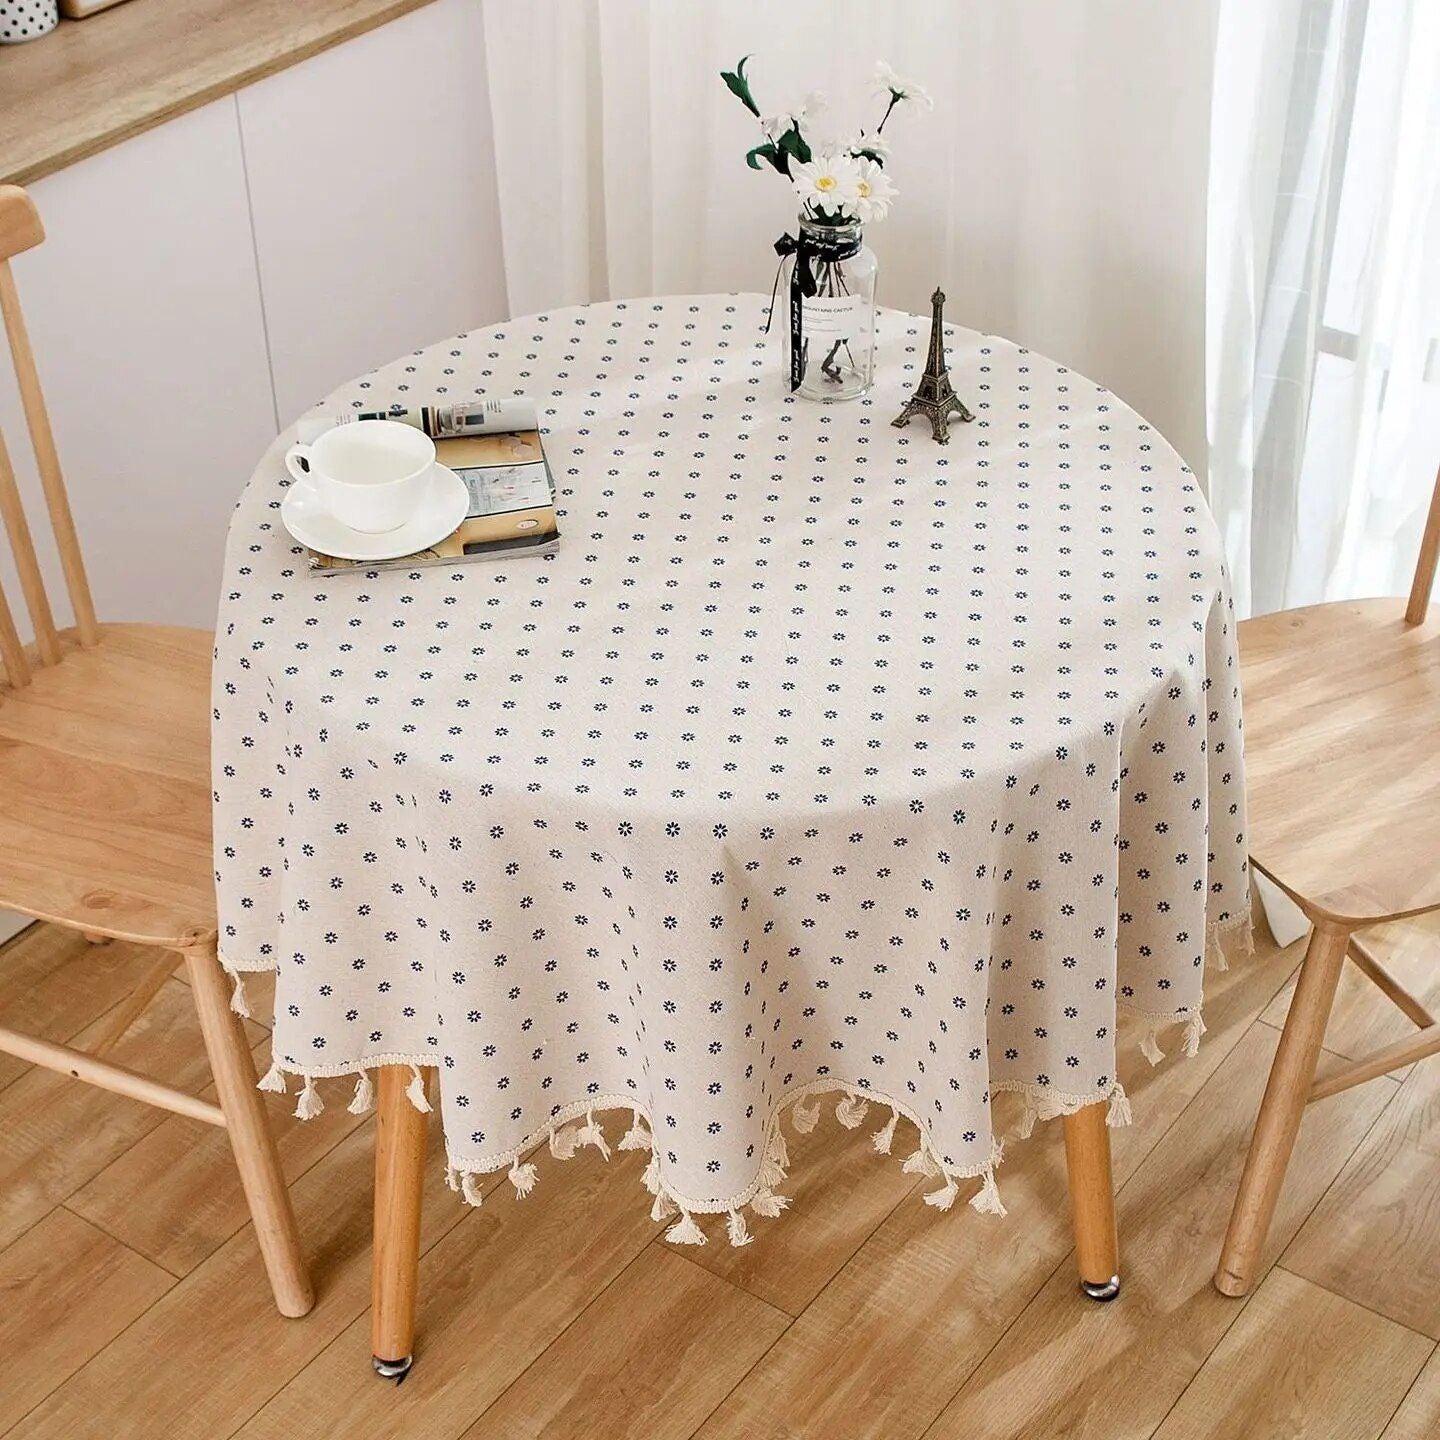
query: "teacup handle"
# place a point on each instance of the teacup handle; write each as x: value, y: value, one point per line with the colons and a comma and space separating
x: 297, y: 460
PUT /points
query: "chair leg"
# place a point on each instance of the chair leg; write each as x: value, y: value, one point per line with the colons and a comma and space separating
x: 136, y: 1003
x: 1286, y: 1095
x: 399, y: 1183
x: 250, y: 1138
x: 1092, y: 1201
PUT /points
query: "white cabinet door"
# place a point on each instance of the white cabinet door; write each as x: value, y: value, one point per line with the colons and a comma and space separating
x: 144, y: 311
x: 372, y: 186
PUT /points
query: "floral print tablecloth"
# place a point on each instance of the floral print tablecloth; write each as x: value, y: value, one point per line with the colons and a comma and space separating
x: 820, y: 758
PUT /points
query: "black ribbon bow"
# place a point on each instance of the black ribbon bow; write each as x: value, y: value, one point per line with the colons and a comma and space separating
x: 802, y: 285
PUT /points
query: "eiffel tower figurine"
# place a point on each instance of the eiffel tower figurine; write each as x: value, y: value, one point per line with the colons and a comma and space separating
x: 935, y: 397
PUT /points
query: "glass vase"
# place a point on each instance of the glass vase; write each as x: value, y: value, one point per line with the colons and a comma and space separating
x: 829, y: 279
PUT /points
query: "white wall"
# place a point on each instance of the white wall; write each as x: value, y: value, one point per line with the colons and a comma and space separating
x: 204, y: 282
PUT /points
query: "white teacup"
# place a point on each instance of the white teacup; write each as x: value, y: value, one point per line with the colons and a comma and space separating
x: 371, y: 475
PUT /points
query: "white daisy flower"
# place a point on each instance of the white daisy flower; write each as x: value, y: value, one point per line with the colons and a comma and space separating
x: 886, y: 83
x: 828, y: 182
x: 874, y: 191
x: 873, y: 141
x: 812, y: 107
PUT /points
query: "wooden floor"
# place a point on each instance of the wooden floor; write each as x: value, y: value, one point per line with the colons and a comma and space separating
x: 132, y: 1301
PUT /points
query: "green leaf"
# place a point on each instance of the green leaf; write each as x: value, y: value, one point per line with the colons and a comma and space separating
x: 762, y: 152
x: 739, y: 86
x: 792, y: 142
x: 874, y: 155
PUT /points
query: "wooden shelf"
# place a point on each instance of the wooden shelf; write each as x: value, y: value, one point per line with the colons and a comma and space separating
x: 95, y: 82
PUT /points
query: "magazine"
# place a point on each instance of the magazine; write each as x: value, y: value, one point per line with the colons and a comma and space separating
x: 495, y: 447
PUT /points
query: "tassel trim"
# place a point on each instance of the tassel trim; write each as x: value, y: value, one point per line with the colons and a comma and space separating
x: 686, y: 1231
x: 637, y: 1137
x: 415, y: 1091
x: 238, y: 1002
x: 881, y: 1140
x: 364, y: 1097
x: 805, y: 1117
x: 309, y: 1105
x: 565, y: 1139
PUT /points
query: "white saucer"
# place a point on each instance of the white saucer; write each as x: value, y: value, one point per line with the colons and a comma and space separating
x: 445, y: 505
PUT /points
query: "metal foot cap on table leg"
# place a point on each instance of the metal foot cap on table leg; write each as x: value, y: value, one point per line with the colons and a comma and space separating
x: 395, y: 1370
x: 1101, y: 1289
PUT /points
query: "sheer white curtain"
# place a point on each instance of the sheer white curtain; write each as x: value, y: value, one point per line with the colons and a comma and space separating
x: 1057, y: 192
x: 1324, y: 294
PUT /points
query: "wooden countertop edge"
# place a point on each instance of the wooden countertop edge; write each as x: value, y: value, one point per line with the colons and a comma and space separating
x: 142, y: 112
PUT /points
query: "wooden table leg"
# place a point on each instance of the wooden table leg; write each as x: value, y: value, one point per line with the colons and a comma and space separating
x: 1092, y: 1201
x: 399, y: 1181
x: 1286, y: 1094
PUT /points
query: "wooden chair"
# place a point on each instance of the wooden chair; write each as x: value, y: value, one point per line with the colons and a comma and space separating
x: 1342, y: 742
x: 105, y: 806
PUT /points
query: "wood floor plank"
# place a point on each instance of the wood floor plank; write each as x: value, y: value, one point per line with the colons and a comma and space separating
x: 185, y: 1172
x: 56, y: 1133
x: 66, y: 1290
x: 1418, y: 1417
x: 1300, y: 1361
x: 1111, y: 1372
x: 201, y: 1360
x: 1376, y: 1235
x: 53, y: 983
x: 890, y: 1339
x: 493, y: 1294
x: 649, y: 1360
x: 839, y: 1191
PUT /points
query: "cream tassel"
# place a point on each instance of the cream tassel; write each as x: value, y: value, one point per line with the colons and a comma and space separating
x: 1028, y: 1116
x: 452, y: 1178
x: 415, y: 1090
x: 664, y: 1207
x: 1119, y: 1112
x: 563, y: 1142
x: 805, y: 1120
x: 1150, y: 1047
x: 735, y: 1228
x: 919, y: 1163
x: 881, y: 1139
x: 238, y: 1003
x: 779, y: 1150
x: 523, y: 1178
x: 768, y: 1204
x: 777, y: 1158
x: 273, y: 1080
x: 944, y: 1199
x: 470, y: 1189
x: 651, y: 1178
x: 1194, y: 1029
x: 987, y: 1199
x: 685, y: 1231
x: 591, y: 1134
x: 637, y: 1137
x: 364, y: 1096
x: 850, y: 1112
x: 309, y: 1105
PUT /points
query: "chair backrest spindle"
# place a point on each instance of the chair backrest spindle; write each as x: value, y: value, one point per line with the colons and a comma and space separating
x: 20, y: 229
x: 1423, y: 585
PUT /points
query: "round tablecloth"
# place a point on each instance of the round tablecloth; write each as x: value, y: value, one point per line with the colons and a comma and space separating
x: 819, y: 758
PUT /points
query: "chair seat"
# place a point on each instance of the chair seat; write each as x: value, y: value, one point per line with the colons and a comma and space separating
x: 105, y: 788
x: 1342, y: 747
